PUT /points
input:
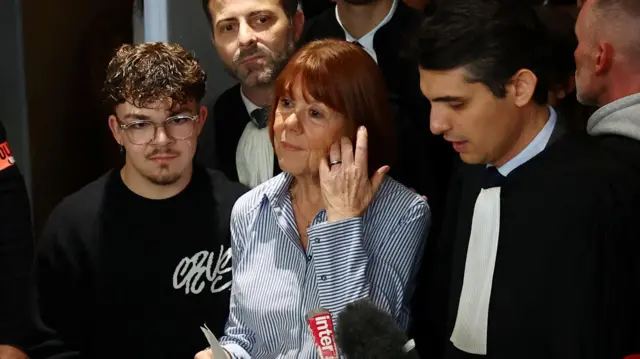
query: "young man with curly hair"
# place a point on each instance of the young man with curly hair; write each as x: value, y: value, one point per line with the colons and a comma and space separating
x: 132, y: 264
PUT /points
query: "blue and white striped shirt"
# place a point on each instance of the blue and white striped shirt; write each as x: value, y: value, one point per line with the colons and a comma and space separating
x: 276, y: 283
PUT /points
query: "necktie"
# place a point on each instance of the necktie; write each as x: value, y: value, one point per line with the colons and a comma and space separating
x: 492, y: 178
x: 260, y: 117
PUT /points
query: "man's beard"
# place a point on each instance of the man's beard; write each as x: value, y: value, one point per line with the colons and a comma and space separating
x: 275, y: 62
x: 165, y: 177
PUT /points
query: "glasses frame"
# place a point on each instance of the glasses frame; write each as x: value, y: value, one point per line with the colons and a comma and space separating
x: 125, y: 127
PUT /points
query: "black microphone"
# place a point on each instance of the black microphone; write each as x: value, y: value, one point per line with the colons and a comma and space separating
x: 367, y: 332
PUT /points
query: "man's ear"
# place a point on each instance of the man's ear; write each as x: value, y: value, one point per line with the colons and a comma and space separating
x: 298, y: 25
x: 604, y: 58
x: 202, y: 118
x: 114, y: 126
x: 523, y: 85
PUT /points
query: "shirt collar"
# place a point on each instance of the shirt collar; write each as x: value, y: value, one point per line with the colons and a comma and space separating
x: 247, y: 103
x: 367, y: 40
x: 278, y: 189
x: 534, y: 148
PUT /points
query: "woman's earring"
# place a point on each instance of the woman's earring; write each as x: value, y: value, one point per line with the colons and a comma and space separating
x: 121, y: 148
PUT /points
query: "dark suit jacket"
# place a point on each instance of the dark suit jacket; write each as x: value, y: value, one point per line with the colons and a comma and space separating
x: 218, y: 141
x: 313, y: 8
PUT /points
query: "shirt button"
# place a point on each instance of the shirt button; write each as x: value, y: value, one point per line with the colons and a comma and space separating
x: 323, y: 277
x: 309, y: 257
x: 317, y: 240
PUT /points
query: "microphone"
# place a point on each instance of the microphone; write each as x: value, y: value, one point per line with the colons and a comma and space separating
x: 367, y: 332
x: 321, y: 326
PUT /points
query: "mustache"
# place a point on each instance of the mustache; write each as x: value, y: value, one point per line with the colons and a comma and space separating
x: 252, y: 51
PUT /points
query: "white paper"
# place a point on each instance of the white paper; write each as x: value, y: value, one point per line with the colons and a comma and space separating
x: 218, y: 352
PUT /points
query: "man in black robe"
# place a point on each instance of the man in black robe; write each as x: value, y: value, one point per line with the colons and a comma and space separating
x: 254, y: 39
x: 536, y: 254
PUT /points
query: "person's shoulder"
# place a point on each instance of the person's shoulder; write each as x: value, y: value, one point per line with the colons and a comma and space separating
x: 320, y: 26
x: 77, y: 212
x: 395, y: 199
x: 253, y: 199
x: 229, y: 96
x: 84, y: 202
x: 572, y: 153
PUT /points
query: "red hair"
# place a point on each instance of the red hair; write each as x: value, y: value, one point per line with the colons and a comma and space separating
x: 345, y: 78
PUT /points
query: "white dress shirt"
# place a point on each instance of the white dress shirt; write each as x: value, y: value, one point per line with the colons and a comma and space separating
x: 276, y: 282
x: 254, y: 154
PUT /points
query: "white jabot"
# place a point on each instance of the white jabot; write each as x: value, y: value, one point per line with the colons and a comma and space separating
x: 254, y: 154
x: 471, y: 326
x: 367, y: 40
x: 470, y: 331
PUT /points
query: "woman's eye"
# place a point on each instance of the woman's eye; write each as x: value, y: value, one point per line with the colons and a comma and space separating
x: 285, y: 102
x: 315, y: 114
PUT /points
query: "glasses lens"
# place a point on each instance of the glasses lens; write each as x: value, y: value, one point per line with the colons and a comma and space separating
x: 140, y: 133
x: 180, y: 128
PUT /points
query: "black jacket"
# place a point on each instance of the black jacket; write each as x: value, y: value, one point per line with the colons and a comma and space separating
x: 16, y: 250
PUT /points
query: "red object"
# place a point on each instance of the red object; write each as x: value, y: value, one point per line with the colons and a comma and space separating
x: 321, y: 326
x: 632, y: 356
x: 6, y: 159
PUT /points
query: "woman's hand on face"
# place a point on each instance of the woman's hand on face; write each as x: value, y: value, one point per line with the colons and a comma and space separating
x: 346, y: 188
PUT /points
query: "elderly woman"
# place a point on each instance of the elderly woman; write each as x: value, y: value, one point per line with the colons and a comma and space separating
x: 330, y: 229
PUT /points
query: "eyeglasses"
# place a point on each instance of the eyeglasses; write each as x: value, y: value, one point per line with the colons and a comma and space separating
x: 143, y: 132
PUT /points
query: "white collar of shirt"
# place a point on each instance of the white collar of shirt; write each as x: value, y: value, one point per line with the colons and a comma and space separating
x: 248, y: 104
x: 534, y: 147
x: 367, y: 40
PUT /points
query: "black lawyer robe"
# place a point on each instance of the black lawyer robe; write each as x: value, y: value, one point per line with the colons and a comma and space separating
x: 566, y: 278
x: 218, y: 142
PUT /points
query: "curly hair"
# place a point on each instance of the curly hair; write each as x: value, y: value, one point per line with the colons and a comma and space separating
x: 145, y: 73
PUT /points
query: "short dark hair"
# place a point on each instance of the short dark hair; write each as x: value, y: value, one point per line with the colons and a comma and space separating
x: 290, y: 8
x: 630, y: 7
x: 491, y: 39
x: 345, y: 78
x: 144, y: 73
